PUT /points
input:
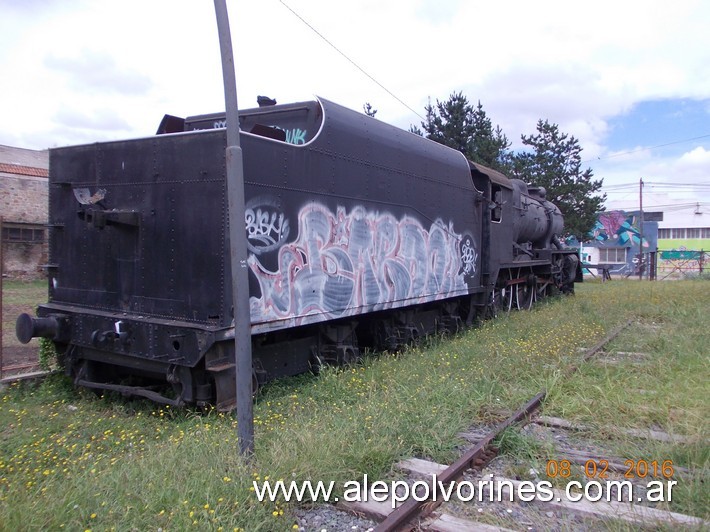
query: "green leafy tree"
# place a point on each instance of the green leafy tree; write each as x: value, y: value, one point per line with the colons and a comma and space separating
x: 457, y: 124
x: 554, y: 162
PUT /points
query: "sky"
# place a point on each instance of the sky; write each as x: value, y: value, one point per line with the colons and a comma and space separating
x: 630, y: 80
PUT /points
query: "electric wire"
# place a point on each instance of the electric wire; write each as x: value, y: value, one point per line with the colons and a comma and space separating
x: 618, y: 188
x: 350, y: 60
x: 647, y: 148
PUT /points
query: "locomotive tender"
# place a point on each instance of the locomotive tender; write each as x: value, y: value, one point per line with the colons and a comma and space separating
x: 359, y: 234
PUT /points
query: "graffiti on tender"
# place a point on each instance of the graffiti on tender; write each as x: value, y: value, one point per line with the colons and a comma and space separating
x: 344, y: 260
x: 293, y: 136
x: 267, y: 228
x: 468, y: 256
x: 619, y: 227
x: 296, y: 136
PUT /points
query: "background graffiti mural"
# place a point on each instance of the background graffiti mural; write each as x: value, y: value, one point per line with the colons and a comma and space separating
x: 618, y: 226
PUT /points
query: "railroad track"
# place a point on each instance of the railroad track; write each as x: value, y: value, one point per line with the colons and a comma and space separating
x: 425, y: 513
x: 29, y: 372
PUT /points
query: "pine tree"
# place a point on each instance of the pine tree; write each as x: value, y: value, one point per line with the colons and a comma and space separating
x: 455, y: 123
x: 449, y: 122
x: 488, y: 146
x: 554, y: 161
x: 555, y: 164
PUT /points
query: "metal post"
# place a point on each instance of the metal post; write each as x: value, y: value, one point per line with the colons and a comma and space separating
x: 641, y: 263
x: 237, y: 240
x: 1, y: 283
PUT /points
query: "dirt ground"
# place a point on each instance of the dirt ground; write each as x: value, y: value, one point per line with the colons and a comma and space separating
x: 16, y: 357
x: 17, y: 360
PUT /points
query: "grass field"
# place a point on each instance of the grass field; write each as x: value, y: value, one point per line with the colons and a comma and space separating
x: 71, y: 460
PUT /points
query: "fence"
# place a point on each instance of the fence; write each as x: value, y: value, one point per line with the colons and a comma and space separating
x: 682, y: 264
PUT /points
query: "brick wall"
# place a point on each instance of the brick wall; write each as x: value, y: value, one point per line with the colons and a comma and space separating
x: 23, y: 261
x: 23, y: 200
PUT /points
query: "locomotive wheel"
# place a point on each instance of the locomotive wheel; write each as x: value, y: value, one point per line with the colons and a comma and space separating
x: 501, y: 301
x: 254, y: 384
x: 544, y: 290
x: 507, y: 296
x: 524, y: 296
x: 315, y: 364
x: 350, y: 356
x: 494, y: 305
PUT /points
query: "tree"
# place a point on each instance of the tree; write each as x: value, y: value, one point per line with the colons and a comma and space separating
x: 555, y: 164
x: 449, y: 122
x: 456, y: 124
x: 488, y: 146
x: 369, y: 111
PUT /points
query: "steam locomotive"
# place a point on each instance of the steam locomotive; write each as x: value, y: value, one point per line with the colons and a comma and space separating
x: 359, y: 235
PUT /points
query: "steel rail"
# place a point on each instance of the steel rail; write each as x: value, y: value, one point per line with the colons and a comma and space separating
x: 404, y: 514
x: 413, y: 508
x: 589, y: 353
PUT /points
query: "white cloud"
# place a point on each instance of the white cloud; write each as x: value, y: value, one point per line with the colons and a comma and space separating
x: 93, y: 119
x: 667, y: 179
x: 697, y: 157
x: 66, y: 65
x: 91, y: 71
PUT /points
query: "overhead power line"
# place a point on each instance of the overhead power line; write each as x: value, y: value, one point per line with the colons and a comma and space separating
x: 644, y: 149
x: 668, y: 207
x: 350, y: 60
x: 657, y: 184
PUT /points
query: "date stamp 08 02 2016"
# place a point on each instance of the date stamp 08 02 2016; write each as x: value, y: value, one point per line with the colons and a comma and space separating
x: 598, y: 469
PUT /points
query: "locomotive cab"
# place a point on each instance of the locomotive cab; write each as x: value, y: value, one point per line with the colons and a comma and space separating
x: 524, y: 258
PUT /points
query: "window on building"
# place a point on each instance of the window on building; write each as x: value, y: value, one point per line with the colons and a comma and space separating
x: 23, y: 233
x: 612, y: 255
x: 687, y: 232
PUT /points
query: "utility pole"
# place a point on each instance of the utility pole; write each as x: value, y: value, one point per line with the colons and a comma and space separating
x: 1, y: 282
x: 641, y: 263
x: 237, y: 241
